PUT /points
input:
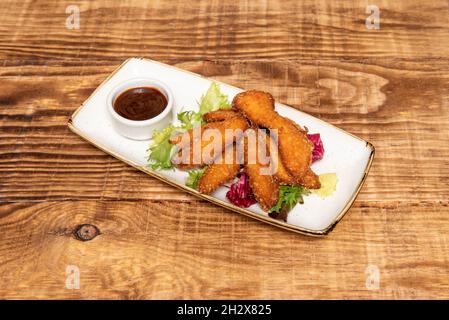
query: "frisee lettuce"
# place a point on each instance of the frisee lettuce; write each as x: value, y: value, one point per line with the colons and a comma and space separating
x: 194, y: 177
x: 190, y: 119
x: 161, y: 151
x: 213, y: 100
x: 289, y: 196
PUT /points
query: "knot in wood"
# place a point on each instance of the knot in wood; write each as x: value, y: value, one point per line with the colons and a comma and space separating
x: 86, y: 232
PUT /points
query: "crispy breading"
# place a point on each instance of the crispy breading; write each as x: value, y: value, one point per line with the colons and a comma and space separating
x: 280, y: 173
x: 295, y: 151
x: 310, y: 180
x: 207, y: 147
x: 220, y: 115
x: 295, y: 148
x: 265, y: 188
x: 220, y: 172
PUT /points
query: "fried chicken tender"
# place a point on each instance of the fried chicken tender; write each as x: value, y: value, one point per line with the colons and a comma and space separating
x: 295, y: 149
x: 220, y: 115
x: 280, y: 173
x: 197, y: 140
x: 220, y: 171
x: 310, y: 180
x: 265, y: 188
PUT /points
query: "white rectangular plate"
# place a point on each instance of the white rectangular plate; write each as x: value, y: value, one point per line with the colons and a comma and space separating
x: 346, y: 155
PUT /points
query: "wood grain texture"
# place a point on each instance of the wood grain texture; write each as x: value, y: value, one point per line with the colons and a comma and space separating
x: 224, y: 29
x: 388, y: 86
x: 162, y: 250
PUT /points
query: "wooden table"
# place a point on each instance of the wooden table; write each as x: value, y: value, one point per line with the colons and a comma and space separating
x: 389, y: 86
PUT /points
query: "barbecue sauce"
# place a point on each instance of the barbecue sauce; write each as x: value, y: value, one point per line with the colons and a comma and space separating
x: 140, y: 103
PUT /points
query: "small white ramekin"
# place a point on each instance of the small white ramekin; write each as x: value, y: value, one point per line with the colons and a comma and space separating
x: 140, y: 129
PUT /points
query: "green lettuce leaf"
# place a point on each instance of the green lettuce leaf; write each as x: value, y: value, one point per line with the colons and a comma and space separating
x: 190, y: 119
x: 213, y: 100
x: 194, y: 177
x: 289, y: 196
x: 161, y: 151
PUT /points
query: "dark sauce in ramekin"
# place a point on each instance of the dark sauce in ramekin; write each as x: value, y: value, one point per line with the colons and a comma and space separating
x: 141, y: 103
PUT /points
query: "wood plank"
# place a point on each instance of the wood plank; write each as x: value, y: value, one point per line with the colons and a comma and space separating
x: 389, y: 86
x: 223, y: 29
x: 166, y: 249
x: 401, y: 106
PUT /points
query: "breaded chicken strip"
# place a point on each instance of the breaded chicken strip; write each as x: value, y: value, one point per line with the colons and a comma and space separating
x: 310, y: 180
x: 220, y: 115
x: 207, y: 147
x: 265, y: 188
x: 281, y: 174
x: 220, y: 171
x: 295, y: 148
